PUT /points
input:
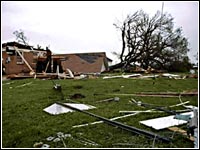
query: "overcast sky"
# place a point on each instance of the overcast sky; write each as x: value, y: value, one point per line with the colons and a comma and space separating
x: 78, y: 27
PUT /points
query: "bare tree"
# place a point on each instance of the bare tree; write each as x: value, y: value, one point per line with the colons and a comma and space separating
x: 21, y: 37
x: 151, y: 41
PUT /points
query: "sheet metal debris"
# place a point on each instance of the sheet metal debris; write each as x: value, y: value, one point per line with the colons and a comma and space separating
x: 56, y: 109
x: 122, y: 126
x: 165, y: 122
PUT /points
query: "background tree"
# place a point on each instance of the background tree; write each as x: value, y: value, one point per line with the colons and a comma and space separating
x: 21, y: 37
x: 151, y: 41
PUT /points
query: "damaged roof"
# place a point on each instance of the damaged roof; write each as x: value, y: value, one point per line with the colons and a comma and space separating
x: 95, y: 62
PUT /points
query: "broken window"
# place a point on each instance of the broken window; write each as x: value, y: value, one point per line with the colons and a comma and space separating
x: 10, y: 50
x: 8, y: 60
x: 19, y: 58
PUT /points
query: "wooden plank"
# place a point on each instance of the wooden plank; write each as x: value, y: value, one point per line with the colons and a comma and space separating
x: 183, y: 132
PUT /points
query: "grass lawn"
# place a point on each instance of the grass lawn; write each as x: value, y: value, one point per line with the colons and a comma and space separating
x: 24, y: 122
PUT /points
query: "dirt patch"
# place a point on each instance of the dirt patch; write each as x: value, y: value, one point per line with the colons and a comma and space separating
x: 78, y: 87
x: 77, y: 96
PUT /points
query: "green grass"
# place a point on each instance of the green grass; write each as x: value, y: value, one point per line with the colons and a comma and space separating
x: 24, y: 122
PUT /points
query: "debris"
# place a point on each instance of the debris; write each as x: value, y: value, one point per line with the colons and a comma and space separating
x: 120, y: 125
x: 56, y: 109
x: 24, y: 84
x: 85, y: 141
x: 182, y: 117
x: 164, y: 122
x: 38, y: 144
x: 97, y: 122
x: 139, y: 103
x: 122, y: 76
x: 45, y: 146
x: 70, y: 73
x: 132, y: 75
x: 56, y: 140
x: 196, y: 138
x: 57, y: 87
x: 171, y: 75
x: 31, y: 70
x: 183, y: 132
x: 152, y: 111
x: 50, y: 138
x: 111, y: 77
x: 124, y: 116
x: 8, y: 83
x: 150, y: 76
x: 110, y: 99
x: 160, y: 94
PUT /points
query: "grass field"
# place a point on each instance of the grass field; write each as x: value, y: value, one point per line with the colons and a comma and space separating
x: 24, y: 122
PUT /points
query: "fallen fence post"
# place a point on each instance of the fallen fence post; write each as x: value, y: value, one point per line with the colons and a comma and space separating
x: 122, y: 126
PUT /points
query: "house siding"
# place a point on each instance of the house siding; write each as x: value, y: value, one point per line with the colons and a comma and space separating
x: 13, y: 68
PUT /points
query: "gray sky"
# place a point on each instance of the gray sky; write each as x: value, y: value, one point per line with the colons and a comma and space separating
x: 73, y: 27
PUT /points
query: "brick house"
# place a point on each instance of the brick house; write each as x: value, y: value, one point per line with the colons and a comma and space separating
x: 95, y: 62
x: 12, y: 62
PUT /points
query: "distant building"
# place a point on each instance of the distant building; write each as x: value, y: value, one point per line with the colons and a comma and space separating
x: 95, y: 62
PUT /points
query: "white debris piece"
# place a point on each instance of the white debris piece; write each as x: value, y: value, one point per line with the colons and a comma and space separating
x: 165, y: 122
x: 131, y: 75
x: 170, y: 75
x: 56, y: 109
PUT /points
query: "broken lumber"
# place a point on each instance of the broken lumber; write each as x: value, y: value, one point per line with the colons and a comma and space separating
x: 108, y: 100
x: 124, y: 116
x: 183, y: 132
x: 122, y: 126
x: 97, y: 122
x: 24, y: 60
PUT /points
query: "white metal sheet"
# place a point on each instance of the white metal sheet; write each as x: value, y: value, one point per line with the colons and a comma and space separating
x: 165, y: 122
x: 56, y: 109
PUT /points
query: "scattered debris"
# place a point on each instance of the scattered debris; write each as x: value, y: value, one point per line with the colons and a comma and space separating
x: 24, y: 84
x: 97, y: 122
x: 149, y: 76
x: 84, y: 141
x: 139, y: 103
x: 120, y: 125
x: 7, y: 83
x: 77, y: 96
x: 56, y: 109
x: 38, y: 144
x: 45, y: 146
x: 151, y: 111
x: 159, y: 94
x: 122, y: 76
x: 111, y: 77
x: 171, y: 75
x: 116, y: 99
x: 50, y: 138
x: 183, y: 132
x: 165, y: 122
x: 124, y: 116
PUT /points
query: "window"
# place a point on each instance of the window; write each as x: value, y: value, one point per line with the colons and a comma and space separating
x: 19, y: 58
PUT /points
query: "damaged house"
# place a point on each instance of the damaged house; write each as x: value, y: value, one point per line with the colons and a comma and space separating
x: 79, y: 63
x: 18, y: 58
x: 22, y: 59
